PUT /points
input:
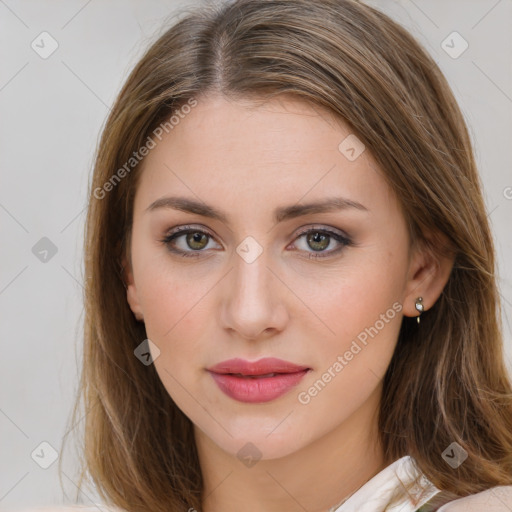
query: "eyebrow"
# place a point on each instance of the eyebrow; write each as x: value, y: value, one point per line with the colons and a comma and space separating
x: 281, y: 214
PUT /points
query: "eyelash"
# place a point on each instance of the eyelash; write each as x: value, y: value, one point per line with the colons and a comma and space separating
x: 183, y: 230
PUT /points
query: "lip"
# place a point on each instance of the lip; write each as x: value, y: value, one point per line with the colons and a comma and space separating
x: 253, y: 382
x: 260, y: 367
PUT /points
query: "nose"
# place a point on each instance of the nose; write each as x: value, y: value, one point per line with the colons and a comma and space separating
x: 253, y: 304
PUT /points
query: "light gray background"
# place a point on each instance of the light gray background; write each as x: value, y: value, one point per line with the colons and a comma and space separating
x: 52, y: 111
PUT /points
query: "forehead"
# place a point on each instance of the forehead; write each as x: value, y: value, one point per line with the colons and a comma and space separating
x: 279, y: 151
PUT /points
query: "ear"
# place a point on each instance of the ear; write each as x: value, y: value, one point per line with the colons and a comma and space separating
x: 430, y: 266
x: 131, y: 290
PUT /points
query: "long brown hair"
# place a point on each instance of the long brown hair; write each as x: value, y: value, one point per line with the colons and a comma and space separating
x: 447, y: 381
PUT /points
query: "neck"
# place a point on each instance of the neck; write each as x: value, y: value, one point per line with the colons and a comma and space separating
x: 316, y: 477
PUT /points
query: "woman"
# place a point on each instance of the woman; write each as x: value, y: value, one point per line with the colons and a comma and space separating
x: 290, y: 291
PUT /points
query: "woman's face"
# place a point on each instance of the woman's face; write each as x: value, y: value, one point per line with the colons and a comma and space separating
x: 319, y: 288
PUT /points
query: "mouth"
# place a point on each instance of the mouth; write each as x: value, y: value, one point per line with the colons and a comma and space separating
x: 266, y: 367
x: 260, y: 381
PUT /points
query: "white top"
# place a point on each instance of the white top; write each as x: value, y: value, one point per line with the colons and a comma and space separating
x: 375, y: 494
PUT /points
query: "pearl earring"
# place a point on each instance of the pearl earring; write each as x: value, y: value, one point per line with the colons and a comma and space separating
x: 419, y: 307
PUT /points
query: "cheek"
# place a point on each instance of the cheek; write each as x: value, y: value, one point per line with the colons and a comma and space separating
x: 172, y: 306
x: 354, y: 343
x: 166, y: 289
x: 175, y: 318
x: 176, y: 300
x: 359, y: 302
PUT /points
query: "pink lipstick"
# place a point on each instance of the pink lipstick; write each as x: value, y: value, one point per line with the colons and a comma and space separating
x: 258, y: 381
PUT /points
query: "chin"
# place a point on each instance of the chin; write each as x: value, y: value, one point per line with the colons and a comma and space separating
x: 258, y: 439
x: 259, y: 447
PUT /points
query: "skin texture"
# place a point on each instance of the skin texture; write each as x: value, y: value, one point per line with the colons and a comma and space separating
x: 247, y: 160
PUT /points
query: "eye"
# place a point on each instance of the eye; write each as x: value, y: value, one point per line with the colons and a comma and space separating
x: 193, y: 238
x: 320, y: 239
x: 193, y: 241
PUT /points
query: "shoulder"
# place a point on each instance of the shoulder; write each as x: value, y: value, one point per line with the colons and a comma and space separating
x: 496, y: 499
